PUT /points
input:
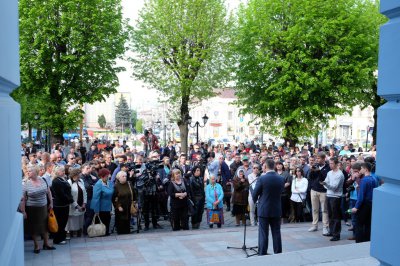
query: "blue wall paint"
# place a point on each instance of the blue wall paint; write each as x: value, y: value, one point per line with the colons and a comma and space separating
x: 11, y: 222
x: 386, y: 204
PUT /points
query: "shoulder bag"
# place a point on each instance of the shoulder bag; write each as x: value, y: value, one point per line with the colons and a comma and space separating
x: 134, y: 209
x: 94, y: 229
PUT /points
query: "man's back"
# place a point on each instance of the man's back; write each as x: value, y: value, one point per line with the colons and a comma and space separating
x: 268, y: 192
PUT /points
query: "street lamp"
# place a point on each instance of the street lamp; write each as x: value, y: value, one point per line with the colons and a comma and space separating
x: 165, y: 127
x: 197, y: 125
x: 257, y: 124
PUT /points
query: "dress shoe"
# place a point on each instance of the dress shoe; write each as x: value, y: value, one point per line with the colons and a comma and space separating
x: 36, y: 251
x: 329, y: 234
x: 335, y: 238
x: 48, y: 248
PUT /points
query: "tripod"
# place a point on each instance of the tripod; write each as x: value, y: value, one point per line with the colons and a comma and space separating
x: 244, y: 247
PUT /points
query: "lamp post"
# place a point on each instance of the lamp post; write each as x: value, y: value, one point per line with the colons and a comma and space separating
x: 261, y: 133
x: 197, y: 125
x: 165, y: 128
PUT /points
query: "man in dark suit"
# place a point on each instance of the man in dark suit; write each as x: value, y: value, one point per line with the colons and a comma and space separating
x: 268, y: 194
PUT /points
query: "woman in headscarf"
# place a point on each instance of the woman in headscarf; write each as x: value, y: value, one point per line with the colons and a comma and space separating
x: 122, y: 200
x: 214, y: 203
x: 240, y: 197
x: 78, y: 207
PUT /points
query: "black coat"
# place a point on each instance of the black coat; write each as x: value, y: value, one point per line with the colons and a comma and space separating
x: 268, y: 192
x: 61, y: 192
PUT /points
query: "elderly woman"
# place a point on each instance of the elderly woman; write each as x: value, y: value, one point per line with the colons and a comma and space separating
x: 122, y: 199
x: 240, y: 197
x: 214, y: 203
x: 101, y: 203
x: 78, y: 207
x: 179, y: 193
x: 34, y: 208
x: 62, y: 198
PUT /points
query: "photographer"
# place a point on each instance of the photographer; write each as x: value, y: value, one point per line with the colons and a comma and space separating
x: 150, y: 197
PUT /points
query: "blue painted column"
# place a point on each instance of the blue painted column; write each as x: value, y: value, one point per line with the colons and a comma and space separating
x: 385, y: 239
x: 11, y: 222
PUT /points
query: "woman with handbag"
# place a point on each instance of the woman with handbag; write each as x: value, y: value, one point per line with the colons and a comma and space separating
x: 179, y: 193
x: 62, y: 198
x: 78, y: 207
x: 299, y: 193
x: 34, y: 207
x: 122, y: 199
x: 214, y: 203
x: 101, y: 203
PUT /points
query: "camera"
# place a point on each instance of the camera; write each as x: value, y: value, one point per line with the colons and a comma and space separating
x: 149, y: 174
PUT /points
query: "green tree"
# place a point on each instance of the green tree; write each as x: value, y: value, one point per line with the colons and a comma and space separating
x: 181, y: 49
x: 300, y: 63
x: 102, y: 120
x: 68, y: 51
x: 122, y: 114
x: 139, y: 125
x: 134, y: 117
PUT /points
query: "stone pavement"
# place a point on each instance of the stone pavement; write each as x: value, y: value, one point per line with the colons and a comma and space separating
x: 164, y: 247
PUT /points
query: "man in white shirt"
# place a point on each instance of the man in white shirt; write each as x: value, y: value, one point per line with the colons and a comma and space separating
x: 334, y: 185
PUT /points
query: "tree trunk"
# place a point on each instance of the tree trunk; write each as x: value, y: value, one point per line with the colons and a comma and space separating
x: 183, y: 125
x: 288, y: 134
x: 183, y: 128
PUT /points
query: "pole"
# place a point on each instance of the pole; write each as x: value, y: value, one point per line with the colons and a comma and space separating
x: 165, y: 135
x: 197, y: 132
x: 366, y: 142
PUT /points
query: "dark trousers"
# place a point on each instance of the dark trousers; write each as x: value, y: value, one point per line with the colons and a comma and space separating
x: 263, y: 231
x: 199, y: 210
x: 363, y: 226
x: 334, y: 214
x: 150, y: 203
x: 123, y: 222
x: 298, y: 211
x: 106, y: 218
x: 87, y: 218
x: 62, y: 219
x: 180, y: 219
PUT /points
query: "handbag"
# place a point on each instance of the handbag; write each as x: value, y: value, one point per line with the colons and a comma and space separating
x: 94, y: 229
x: 306, y: 209
x: 214, y: 216
x: 52, y: 224
x: 191, y: 208
x: 133, y: 209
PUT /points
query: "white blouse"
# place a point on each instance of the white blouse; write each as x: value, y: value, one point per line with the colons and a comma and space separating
x: 299, y: 189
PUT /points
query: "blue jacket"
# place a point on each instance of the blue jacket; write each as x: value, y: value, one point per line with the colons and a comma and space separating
x: 367, y: 185
x: 210, y: 195
x: 268, y: 193
x: 102, y: 197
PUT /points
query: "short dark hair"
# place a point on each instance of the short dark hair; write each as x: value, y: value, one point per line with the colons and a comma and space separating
x: 356, y: 166
x: 270, y: 164
x: 321, y: 154
x: 334, y: 160
x: 367, y: 166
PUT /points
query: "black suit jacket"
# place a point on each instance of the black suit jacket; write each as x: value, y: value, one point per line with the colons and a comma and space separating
x: 268, y: 193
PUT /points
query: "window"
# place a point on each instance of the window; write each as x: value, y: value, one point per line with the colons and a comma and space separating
x: 230, y: 115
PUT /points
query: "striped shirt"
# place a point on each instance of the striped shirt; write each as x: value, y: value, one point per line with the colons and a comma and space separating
x: 35, y: 196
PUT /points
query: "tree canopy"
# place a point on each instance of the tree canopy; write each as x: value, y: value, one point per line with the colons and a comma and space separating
x: 181, y: 50
x: 68, y: 51
x: 300, y: 63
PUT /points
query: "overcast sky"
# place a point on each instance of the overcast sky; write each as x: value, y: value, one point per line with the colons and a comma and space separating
x: 141, y: 95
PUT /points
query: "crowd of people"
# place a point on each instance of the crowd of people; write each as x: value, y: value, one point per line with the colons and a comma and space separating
x: 104, y: 179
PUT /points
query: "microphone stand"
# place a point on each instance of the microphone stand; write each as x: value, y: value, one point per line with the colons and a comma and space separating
x: 244, y: 247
